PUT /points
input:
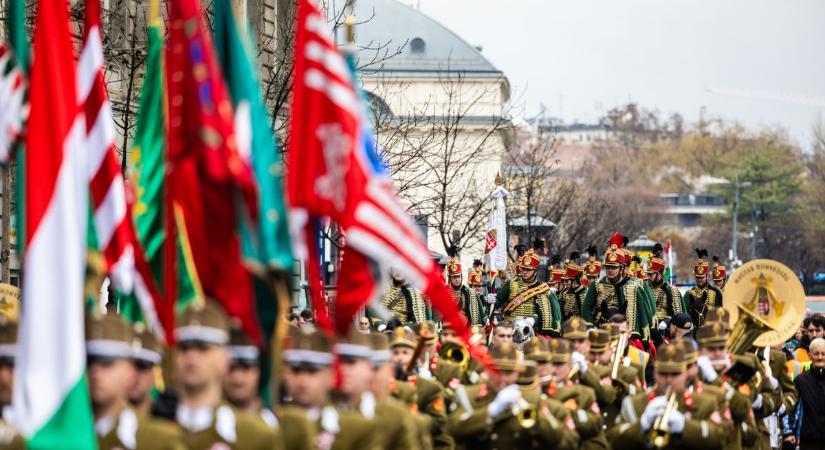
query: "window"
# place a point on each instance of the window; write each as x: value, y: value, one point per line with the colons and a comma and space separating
x: 417, y: 45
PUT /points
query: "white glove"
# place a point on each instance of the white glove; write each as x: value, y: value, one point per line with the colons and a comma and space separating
x: 504, y: 400
x: 676, y: 422
x: 757, y: 404
x: 662, y: 325
x: 577, y: 357
x: 706, y: 368
x: 653, y: 410
x: 425, y: 373
x: 781, y: 410
x: 774, y: 383
x: 491, y: 299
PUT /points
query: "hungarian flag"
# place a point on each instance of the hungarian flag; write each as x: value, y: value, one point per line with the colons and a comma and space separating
x: 114, y: 228
x: 668, y: 275
x: 207, y: 174
x: 334, y: 171
x: 14, y: 106
x: 52, y: 408
x: 495, y: 249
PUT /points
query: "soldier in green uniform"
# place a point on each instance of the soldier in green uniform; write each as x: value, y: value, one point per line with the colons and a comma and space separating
x: 430, y: 393
x: 403, y: 302
x: 242, y: 383
x: 501, y: 414
x: 111, y: 374
x: 630, y: 372
x: 667, y: 297
x: 397, y: 428
x: 467, y: 299
x: 579, y: 399
x: 200, y: 366
x: 311, y: 419
x: 526, y: 296
x: 669, y: 413
x: 720, y: 274
x: 617, y: 293
x: 148, y: 354
x: 593, y: 267
x: 703, y: 296
x: 750, y: 400
x: 613, y: 389
x: 573, y: 295
x: 9, y: 439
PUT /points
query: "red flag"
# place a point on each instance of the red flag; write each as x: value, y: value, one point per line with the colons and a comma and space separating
x: 207, y: 176
x: 334, y: 171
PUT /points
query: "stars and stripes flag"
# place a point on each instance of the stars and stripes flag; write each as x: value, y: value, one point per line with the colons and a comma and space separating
x: 51, y: 401
x: 124, y: 258
x: 334, y: 172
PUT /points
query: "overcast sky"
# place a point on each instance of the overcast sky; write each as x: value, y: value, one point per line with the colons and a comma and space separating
x: 581, y: 57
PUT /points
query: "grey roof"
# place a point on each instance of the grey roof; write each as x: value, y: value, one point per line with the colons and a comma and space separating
x: 385, y: 26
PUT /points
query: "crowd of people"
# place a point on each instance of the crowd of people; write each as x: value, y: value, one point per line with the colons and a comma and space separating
x: 573, y: 361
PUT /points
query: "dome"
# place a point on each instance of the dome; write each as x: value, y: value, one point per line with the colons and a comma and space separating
x: 426, y: 45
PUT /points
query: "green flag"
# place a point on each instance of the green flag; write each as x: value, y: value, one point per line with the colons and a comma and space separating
x: 19, y: 41
x: 265, y: 245
x: 269, y: 246
x: 148, y: 168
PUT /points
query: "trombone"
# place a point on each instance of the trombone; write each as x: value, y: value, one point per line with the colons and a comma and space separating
x: 659, y: 435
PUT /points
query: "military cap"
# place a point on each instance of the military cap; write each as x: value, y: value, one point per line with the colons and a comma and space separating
x: 475, y: 278
x: 307, y: 346
x: 670, y: 359
x: 718, y: 314
x: 556, y: 275
x: 718, y: 270
x: 108, y: 336
x: 453, y: 267
x: 203, y: 321
x: 380, y: 346
x: 402, y: 337
x: 146, y: 347
x: 712, y: 334
x: 682, y: 321
x: 530, y: 260
x: 560, y: 350
x: 241, y: 347
x: 613, y: 257
x: 527, y: 376
x: 427, y: 331
x: 612, y: 329
x: 505, y: 356
x: 688, y: 347
x: 354, y: 345
x: 656, y: 265
x: 593, y: 267
x: 8, y: 337
x: 599, y: 340
x: 700, y: 268
x: 536, y: 349
x: 574, y: 328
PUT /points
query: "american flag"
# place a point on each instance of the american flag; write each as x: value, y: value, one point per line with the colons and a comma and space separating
x: 334, y: 171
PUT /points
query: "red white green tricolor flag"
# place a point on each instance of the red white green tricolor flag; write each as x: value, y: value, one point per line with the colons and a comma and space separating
x: 668, y: 262
x: 51, y: 397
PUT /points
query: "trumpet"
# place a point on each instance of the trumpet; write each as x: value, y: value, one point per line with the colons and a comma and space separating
x: 458, y: 355
x: 525, y: 413
x: 618, y: 355
x: 659, y: 435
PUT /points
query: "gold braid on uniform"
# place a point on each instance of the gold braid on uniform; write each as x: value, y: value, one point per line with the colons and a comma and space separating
x: 630, y: 299
x: 543, y: 302
x: 475, y: 314
x: 605, y: 292
x: 530, y: 307
x: 418, y: 306
x: 710, y: 300
x: 570, y: 301
x: 676, y: 298
x: 660, y: 294
x: 395, y: 302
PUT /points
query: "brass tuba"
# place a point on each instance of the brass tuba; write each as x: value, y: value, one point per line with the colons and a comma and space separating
x: 457, y: 354
x: 766, y: 302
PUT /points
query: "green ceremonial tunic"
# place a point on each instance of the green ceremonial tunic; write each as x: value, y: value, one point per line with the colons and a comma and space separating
x: 131, y: 430
x: 699, y: 300
x: 225, y: 425
x: 705, y: 427
x: 518, y: 298
x: 628, y: 296
x: 571, y: 300
x: 406, y: 304
x: 668, y: 301
x: 585, y: 411
x: 471, y: 304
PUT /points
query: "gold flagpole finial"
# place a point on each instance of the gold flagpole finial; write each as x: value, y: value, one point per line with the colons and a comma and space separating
x: 349, y: 21
x: 499, y: 181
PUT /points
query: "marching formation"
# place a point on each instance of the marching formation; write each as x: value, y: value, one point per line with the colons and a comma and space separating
x: 623, y: 366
